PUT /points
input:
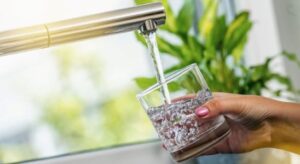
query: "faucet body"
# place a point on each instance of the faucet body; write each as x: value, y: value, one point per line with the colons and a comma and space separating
x: 144, y: 18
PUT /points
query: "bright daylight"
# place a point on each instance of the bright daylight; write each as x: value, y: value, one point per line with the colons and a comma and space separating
x: 150, y: 81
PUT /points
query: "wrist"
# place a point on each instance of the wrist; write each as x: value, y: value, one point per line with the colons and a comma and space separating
x: 282, y: 125
x: 285, y: 136
x: 285, y: 133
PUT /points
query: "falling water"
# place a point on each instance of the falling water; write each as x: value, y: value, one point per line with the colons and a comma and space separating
x: 154, y: 52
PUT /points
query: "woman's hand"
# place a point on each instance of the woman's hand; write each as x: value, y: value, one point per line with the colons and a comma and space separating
x: 255, y: 122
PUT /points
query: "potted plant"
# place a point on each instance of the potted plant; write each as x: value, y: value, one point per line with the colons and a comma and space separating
x: 218, y: 49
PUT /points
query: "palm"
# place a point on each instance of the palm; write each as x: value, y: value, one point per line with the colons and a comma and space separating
x: 243, y: 136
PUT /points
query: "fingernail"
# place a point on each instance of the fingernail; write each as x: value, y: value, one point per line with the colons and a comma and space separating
x: 201, y: 111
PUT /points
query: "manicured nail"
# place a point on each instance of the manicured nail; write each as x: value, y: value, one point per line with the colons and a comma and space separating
x: 201, y: 111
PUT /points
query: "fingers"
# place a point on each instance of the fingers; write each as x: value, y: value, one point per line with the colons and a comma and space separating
x: 223, y: 95
x: 227, y: 104
x: 222, y: 103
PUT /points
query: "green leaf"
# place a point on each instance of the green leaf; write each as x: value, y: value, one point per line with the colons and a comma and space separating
x: 195, y: 47
x: 187, y: 54
x: 170, y: 25
x: 238, y: 51
x: 190, y: 84
x: 169, y: 48
x: 185, y: 17
x: 218, y: 32
x: 282, y: 80
x: 260, y: 71
x: 174, y: 68
x: 292, y: 57
x: 236, y: 32
x: 214, y: 39
x: 173, y: 87
x: 163, y: 45
x: 144, y: 82
x: 205, y: 3
x: 140, y: 38
x: 208, y: 19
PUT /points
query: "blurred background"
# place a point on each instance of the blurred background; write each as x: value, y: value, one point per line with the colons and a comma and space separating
x: 73, y: 97
x: 81, y: 96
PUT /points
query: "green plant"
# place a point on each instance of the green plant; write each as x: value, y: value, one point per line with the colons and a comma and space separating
x: 218, y: 49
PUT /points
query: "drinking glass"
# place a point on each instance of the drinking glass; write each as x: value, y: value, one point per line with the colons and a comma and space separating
x: 184, y: 134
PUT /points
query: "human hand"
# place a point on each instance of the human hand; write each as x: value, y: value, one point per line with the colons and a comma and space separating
x: 255, y: 122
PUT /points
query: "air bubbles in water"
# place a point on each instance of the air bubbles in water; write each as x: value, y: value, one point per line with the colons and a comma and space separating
x: 176, y: 123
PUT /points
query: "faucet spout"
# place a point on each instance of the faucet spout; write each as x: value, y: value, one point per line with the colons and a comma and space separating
x: 145, y: 18
x: 148, y: 26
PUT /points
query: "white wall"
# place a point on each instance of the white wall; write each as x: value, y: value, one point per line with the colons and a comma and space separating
x: 288, y: 22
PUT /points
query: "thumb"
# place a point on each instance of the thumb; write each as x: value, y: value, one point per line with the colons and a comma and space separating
x: 218, y: 106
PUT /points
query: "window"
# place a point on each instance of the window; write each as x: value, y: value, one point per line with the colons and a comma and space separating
x: 72, y: 97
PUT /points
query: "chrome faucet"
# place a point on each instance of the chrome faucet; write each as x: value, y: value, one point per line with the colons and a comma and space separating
x: 144, y: 18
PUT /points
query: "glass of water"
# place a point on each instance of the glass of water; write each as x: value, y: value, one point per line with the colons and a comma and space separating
x: 181, y: 131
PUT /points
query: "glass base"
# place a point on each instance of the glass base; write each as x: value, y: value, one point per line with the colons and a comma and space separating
x: 205, y: 141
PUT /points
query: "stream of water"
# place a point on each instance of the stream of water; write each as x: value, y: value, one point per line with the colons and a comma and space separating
x: 155, y: 55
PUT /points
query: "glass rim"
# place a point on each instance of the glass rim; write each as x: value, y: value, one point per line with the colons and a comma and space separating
x: 171, y: 77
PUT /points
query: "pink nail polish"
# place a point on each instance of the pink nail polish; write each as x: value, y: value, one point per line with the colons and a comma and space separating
x: 201, y: 111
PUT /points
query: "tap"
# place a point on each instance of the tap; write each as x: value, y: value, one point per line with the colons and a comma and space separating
x: 144, y: 18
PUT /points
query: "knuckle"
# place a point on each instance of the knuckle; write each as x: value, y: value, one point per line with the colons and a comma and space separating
x: 215, y: 105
